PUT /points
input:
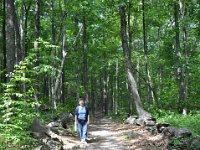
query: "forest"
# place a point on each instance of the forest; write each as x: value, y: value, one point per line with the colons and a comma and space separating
x: 124, y: 57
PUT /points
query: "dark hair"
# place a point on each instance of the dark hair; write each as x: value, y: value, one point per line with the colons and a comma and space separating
x: 81, y: 99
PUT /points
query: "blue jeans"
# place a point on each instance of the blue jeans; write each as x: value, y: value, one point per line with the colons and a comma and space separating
x: 82, y: 129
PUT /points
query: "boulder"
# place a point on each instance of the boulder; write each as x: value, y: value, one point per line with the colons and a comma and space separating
x: 64, y: 119
x: 177, y: 132
x: 60, y: 130
x: 131, y: 119
x: 150, y: 122
x: 51, y: 144
x: 42, y: 147
x: 45, y: 147
x: 162, y: 126
x: 140, y: 121
x: 183, y: 132
x: 57, y: 128
x: 38, y: 129
x: 53, y: 124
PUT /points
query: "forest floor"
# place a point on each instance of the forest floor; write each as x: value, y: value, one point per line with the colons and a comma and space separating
x: 105, y: 134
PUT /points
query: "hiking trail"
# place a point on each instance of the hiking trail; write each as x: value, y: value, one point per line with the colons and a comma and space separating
x: 104, y: 134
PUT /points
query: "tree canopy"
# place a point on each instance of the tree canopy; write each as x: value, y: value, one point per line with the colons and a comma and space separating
x: 53, y: 52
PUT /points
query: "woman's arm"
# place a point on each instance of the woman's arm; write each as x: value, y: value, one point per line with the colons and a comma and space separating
x: 75, y: 119
x: 88, y: 122
x: 75, y: 123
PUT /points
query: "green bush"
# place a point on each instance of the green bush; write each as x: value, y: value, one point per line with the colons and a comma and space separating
x: 189, y: 121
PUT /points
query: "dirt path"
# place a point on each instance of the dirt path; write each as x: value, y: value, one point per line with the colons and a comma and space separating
x: 104, y: 134
x: 103, y: 137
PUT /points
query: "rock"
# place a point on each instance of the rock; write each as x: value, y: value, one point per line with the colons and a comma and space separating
x: 53, y: 124
x: 57, y: 128
x: 131, y: 119
x: 195, y: 143
x: 64, y: 119
x: 38, y: 129
x: 71, y: 146
x: 51, y: 144
x: 161, y: 126
x: 177, y: 132
x: 183, y: 132
x: 92, y: 140
x: 42, y: 147
x: 45, y: 147
x: 140, y: 121
x: 133, y: 135
x: 60, y: 131
x: 152, y: 129
x: 54, y: 145
x: 150, y: 123
x: 169, y: 131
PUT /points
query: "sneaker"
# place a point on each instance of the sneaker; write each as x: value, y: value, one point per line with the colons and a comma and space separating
x: 84, y: 142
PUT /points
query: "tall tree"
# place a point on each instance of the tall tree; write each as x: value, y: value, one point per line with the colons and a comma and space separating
x: 18, y: 52
x: 4, y: 41
x: 178, y: 53
x: 130, y: 33
x: 27, y: 8
x: 85, y: 67
x: 139, y: 108
x: 58, y: 78
x: 36, y: 38
x: 148, y: 77
x: 10, y: 36
x: 37, y: 24
x: 183, y: 13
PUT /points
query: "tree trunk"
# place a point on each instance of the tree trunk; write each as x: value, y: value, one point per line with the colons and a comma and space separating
x: 140, y: 110
x: 130, y: 49
x: 85, y: 77
x: 22, y: 35
x: 105, y: 94
x: 183, y: 14
x: 92, y: 97
x: 115, y: 103
x: 27, y: 8
x: 64, y: 54
x: 129, y: 98
x: 17, y: 35
x: 22, y: 16
x: 150, y: 96
x: 112, y: 93
x: 4, y: 41
x: 178, y: 51
x: 37, y: 24
x: 102, y: 93
x: 160, y: 71
x: 137, y: 74
x: 107, y: 88
x: 63, y: 86
x: 129, y: 28
x: 36, y: 39
x: 10, y: 35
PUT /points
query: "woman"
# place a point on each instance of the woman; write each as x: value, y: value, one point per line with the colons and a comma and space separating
x: 82, y: 120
